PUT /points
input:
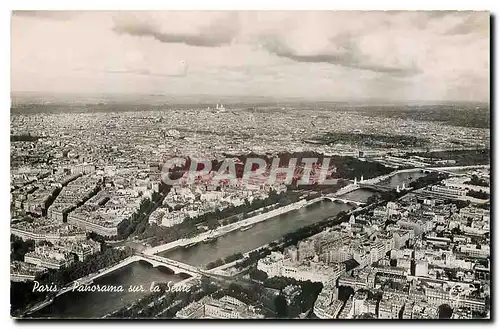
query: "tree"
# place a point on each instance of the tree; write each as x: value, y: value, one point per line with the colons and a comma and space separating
x: 445, y: 311
x: 345, y: 292
x: 258, y: 275
x: 214, y: 264
x: 372, y: 199
x: 281, y: 306
x: 232, y: 258
x: 478, y: 194
x: 212, y: 223
x: 18, y: 247
x: 205, y: 283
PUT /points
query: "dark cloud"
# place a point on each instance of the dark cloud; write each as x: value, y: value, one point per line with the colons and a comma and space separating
x: 216, y: 34
x: 346, y: 54
x: 441, y: 13
x: 46, y: 14
x: 471, y: 24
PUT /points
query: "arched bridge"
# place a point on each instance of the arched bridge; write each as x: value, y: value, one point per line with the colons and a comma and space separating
x: 443, y: 171
x: 378, y: 188
x: 174, y: 265
x: 334, y: 198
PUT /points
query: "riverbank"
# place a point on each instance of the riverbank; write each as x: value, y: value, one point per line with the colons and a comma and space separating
x: 223, y: 230
x: 183, y: 285
x: 231, y: 270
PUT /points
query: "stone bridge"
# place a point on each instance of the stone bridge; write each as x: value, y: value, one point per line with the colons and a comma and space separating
x: 375, y: 187
x: 334, y: 198
x: 175, y: 266
x: 443, y: 171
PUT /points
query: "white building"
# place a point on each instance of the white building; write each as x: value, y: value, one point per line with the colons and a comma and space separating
x: 271, y: 264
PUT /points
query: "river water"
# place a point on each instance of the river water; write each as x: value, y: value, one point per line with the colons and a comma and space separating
x: 401, y: 178
x: 260, y: 234
x: 95, y: 304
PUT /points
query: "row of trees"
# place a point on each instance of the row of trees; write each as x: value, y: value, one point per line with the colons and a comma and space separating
x: 373, y: 139
x: 228, y: 259
x: 108, y: 257
x: 429, y: 179
x: 462, y: 157
x: 478, y: 194
x: 24, y: 138
x: 345, y: 167
x: 137, y: 223
x: 246, y: 294
x: 256, y: 274
x: 475, y: 180
x: 233, y: 214
x: 253, y: 257
x: 147, y: 306
x: 189, y: 227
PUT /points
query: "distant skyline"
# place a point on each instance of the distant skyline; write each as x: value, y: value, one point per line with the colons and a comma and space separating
x: 395, y: 56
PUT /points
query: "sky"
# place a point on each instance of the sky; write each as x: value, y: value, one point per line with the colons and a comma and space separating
x: 335, y: 55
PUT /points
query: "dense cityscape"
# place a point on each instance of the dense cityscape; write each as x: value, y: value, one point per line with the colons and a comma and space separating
x: 87, y: 197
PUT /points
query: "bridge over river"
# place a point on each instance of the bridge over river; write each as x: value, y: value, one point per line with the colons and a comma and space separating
x: 154, y: 260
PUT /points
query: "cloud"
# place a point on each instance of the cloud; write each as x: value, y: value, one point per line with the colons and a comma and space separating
x: 345, y: 54
x: 217, y: 33
x: 470, y: 24
x: 46, y: 14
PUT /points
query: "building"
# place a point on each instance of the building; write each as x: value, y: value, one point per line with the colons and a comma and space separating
x: 22, y: 271
x: 421, y: 268
x: 107, y: 227
x: 49, y: 257
x: 330, y: 311
x: 271, y: 264
x: 449, y: 191
x: 276, y: 265
x: 85, y: 249
x: 478, y: 251
x: 359, y: 302
x: 420, y: 310
x: 315, y: 272
x: 224, y: 308
x: 47, y: 230
x: 390, y: 307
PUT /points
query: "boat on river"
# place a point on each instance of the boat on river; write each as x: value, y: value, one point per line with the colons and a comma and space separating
x: 189, y: 245
x: 211, y: 238
x: 246, y: 227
